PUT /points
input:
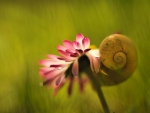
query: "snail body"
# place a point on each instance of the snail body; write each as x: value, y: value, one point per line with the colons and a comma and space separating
x: 118, y: 59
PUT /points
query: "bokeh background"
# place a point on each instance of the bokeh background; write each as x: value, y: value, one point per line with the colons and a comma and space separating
x: 30, y: 29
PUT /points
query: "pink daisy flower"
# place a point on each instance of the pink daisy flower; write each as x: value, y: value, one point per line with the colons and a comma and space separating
x: 75, y: 57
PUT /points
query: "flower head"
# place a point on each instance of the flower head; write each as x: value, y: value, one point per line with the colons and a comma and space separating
x: 74, y: 49
x: 57, y: 69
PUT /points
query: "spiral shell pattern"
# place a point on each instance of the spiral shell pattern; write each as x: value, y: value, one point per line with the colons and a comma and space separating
x: 118, y: 58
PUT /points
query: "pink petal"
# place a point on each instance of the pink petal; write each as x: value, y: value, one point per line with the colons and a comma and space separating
x: 94, y: 52
x: 68, y: 45
x: 74, y: 55
x: 79, y: 52
x: 58, y: 81
x: 53, y: 73
x: 70, y: 51
x: 44, y: 70
x: 75, y: 68
x: 50, y: 74
x: 86, y: 50
x: 47, y: 82
x: 77, y: 45
x: 45, y: 62
x: 86, y: 43
x: 52, y: 56
x: 81, y: 85
x: 50, y: 80
x: 48, y: 63
x: 64, y: 53
x: 60, y: 58
x: 79, y: 38
x: 55, y: 58
x: 96, y: 64
x: 56, y: 66
x: 56, y: 89
x: 59, y: 47
x: 70, y: 86
x: 91, y: 60
x: 82, y: 82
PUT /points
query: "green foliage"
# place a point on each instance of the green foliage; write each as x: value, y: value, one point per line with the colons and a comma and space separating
x: 31, y: 29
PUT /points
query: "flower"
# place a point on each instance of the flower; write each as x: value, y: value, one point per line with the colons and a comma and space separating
x: 74, y: 57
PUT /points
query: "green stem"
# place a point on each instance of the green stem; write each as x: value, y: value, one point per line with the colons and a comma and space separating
x: 98, y: 89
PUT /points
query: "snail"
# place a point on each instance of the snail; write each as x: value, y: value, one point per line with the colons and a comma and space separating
x: 118, y: 59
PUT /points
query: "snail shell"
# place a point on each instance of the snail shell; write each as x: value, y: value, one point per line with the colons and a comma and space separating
x: 118, y: 59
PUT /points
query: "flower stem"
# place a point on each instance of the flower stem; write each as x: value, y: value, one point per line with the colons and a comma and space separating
x: 84, y: 66
x: 98, y: 89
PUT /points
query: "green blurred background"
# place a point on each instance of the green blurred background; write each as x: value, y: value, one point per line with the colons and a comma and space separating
x: 30, y: 29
